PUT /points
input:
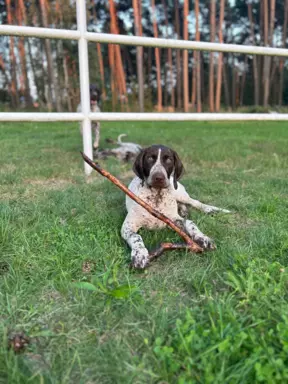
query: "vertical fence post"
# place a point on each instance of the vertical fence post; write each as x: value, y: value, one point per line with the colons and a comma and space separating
x: 84, y: 81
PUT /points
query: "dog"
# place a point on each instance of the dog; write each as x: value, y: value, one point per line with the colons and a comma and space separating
x: 158, y: 169
x: 125, y: 151
x: 95, y: 98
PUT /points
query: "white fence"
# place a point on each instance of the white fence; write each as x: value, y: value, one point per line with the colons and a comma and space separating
x: 86, y: 116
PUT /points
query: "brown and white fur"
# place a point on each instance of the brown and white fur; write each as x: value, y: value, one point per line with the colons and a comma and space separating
x: 95, y: 97
x: 158, y: 170
x: 124, y: 152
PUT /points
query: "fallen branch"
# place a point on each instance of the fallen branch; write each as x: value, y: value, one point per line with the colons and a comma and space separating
x: 168, y: 247
x: 189, y: 243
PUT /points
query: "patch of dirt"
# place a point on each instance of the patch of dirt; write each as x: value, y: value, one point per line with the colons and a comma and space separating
x: 18, y: 342
x: 6, y: 194
x: 88, y: 266
x: 49, y: 184
x: 8, y: 168
x: 51, y: 295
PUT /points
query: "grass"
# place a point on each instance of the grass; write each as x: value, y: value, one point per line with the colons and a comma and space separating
x: 217, y: 318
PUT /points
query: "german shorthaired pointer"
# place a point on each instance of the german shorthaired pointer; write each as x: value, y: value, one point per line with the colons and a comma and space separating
x: 158, y: 170
x: 95, y: 97
x: 124, y: 152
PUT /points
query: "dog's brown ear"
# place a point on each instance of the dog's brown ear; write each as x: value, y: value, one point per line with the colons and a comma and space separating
x: 178, y: 169
x: 138, y: 167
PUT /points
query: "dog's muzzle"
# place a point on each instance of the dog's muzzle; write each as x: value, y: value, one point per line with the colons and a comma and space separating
x: 159, y: 180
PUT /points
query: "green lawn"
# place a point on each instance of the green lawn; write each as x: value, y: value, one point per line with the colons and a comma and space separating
x: 221, y: 317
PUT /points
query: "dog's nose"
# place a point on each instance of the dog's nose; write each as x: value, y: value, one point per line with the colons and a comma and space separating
x: 159, y: 177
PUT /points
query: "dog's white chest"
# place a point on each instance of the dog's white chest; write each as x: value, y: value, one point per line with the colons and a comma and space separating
x: 162, y: 200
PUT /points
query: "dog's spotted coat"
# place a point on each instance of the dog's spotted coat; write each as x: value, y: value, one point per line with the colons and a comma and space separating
x: 158, y: 170
x: 95, y: 97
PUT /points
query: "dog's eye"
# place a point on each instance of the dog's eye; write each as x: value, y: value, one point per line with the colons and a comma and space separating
x: 150, y: 159
x: 168, y: 160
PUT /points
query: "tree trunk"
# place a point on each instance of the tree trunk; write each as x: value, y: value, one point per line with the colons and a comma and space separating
x: 220, y: 59
x: 2, y: 68
x: 165, y: 81
x: 76, y: 81
x: 170, y: 60
x: 267, y: 40
x: 120, y: 78
x: 150, y: 92
x: 243, y: 80
x: 234, y: 84
x: 50, y: 67
x: 273, y: 77
x: 13, y: 64
x: 149, y: 65
x: 268, y: 64
x: 66, y: 82
x: 137, y: 22
x: 99, y: 57
x: 226, y: 87
x: 178, y: 57
x: 198, y: 73
x: 166, y: 63
x: 194, y: 77
x: 112, y: 75
x: 34, y: 70
x: 255, y: 66
x: 211, y: 61
x: 157, y: 57
x: 185, y: 59
x: 128, y: 61
x: 22, y: 20
x: 36, y: 58
x: 281, y: 63
x: 101, y: 67
x: 113, y: 71
x: 198, y: 58
x: 195, y: 57
x: 202, y: 72
x: 237, y: 88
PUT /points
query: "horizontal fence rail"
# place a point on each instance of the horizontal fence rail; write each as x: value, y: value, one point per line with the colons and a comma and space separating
x: 39, y: 116
x: 185, y: 44
x: 83, y: 37
x: 49, y: 33
x: 112, y: 116
x: 140, y: 41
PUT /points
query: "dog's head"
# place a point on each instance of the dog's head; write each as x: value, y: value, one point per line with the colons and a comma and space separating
x: 95, y: 94
x: 156, y: 164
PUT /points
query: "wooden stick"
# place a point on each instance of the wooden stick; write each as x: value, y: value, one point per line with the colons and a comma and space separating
x: 190, y: 244
x: 167, y: 247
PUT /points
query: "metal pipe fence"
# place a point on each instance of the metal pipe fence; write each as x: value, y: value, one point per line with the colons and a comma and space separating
x: 83, y: 37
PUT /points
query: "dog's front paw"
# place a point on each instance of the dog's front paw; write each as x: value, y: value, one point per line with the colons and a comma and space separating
x: 205, y: 242
x: 211, y: 210
x: 140, y: 258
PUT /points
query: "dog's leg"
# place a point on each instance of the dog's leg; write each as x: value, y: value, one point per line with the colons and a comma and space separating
x: 194, y: 232
x: 182, y: 197
x: 182, y: 210
x: 96, y: 135
x: 205, y: 207
x: 139, y: 253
